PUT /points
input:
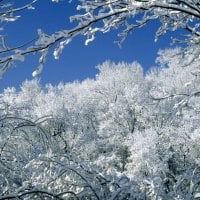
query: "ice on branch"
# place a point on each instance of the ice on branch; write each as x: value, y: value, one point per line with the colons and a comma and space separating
x: 187, y: 84
x: 11, y: 19
x: 31, y: 7
x: 38, y: 70
x: 89, y: 40
x: 18, y: 56
x: 95, y: 16
x: 58, y: 50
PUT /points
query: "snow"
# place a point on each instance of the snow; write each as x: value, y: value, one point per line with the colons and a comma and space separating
x: 89, y: 40
x: 37, y: 71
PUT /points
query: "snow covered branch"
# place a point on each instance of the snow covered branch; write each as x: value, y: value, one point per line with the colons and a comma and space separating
x: 33, y: 192
x: 104, y: 16
x: 8, y: 13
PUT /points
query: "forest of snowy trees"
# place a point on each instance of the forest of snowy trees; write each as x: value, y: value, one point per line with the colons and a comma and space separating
x: 123, y: 135
x: 127, y: 134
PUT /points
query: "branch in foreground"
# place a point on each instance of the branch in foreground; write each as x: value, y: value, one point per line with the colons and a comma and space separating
x: 34, y: 191
x: 102, y: 16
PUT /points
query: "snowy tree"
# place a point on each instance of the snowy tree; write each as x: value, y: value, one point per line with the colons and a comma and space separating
x: 9, y: 14
x: 103, y: 16
x: 122, y: 135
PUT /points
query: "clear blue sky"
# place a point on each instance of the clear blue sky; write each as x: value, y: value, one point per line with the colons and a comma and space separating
x: 77, y: 61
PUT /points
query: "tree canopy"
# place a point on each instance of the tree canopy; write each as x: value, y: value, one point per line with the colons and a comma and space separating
x: 122, y: 135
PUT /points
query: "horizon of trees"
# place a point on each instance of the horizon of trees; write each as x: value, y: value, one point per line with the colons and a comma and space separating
x: 122, y: 135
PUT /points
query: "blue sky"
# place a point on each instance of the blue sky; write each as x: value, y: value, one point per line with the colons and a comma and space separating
x: 77, y: 61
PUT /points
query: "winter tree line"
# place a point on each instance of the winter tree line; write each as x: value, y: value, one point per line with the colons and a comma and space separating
x: 124, y: 135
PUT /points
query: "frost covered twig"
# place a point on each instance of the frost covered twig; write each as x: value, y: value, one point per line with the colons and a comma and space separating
x: 103, y: 16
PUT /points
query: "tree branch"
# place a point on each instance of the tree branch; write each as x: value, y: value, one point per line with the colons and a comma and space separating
x: 34, y: 191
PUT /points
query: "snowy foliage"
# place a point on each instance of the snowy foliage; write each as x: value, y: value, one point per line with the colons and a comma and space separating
x: 95, y: 16
x: 122, y: 135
